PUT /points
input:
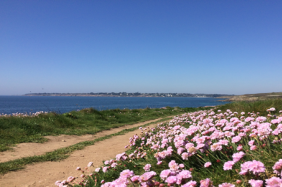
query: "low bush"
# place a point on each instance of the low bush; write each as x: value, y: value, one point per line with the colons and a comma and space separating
x: 204, y: 148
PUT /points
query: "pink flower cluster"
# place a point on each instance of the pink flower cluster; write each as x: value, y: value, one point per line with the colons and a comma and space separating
x: 207, y: 133
x: 254, y: 166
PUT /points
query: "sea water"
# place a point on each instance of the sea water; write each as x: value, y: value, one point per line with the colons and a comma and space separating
x: 61, y: 104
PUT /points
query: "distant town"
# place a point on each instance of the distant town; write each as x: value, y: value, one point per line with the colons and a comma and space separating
x: 125, y: 94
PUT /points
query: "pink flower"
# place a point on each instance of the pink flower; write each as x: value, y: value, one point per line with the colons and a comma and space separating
x: 251, y: 143
x: 236, y: 139
x: 254, y: 166
x: 126, y: 173
x: 254, y: 147
x: 90, y: 164
x: 105, y: 169
x: 226, y: 185
x: 57, y: 183
x: 206, y: 183
x: 185, y: 174
x: 135, y: 178
x: 171, y: 179
x: 271, y: 109
x: 147, y: 176
x: 164, y: 174
x: 181, y: 166
x: 207, y: 164
x: 207, y: 121
x: 277, y: 167
x: 190, y: 184
x: 256, y: 183
x: 70, y: 179
x: 273, y: 182
x: 237, y: 156
x: 261, y: 119
x: 113, y: 165
x: 147, y: 167
x: 239, y: 148
x: 185, y: 156
x: 173, y: 165
x: 228, y: 165
x: 216, y: 147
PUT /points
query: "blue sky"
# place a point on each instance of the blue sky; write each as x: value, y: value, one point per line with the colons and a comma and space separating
x: 184, y: 46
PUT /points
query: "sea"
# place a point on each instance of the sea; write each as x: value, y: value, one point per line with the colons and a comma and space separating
x: 61, y: 104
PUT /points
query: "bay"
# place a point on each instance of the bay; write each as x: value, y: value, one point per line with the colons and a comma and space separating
x: 61, y: 104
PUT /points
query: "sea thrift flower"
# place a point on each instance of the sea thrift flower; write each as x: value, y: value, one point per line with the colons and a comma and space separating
x: 256, y: 183
x: 236, y: 139
x: 206, y: 183
x: 271, y: 109
x: 254, y: 147
x: 147, y: 176
x: 105, y: 169
x: 181, y: 166
x: 135, y: 178
x: 171, y: 180
x: 228, y: 165
x: 207, y: 164
x: 251, y: 143
x: 159, y: 162
x: 70, y: 179
x: 237, y: 156
x: 239, y: 148
x: 273, y: 182
x: 164, y: 174
x: 226, y: 185
x: 147, y: 167
x: 254, y: 166
x: 190, y: 184
x: 184, y: 174
x: 185, y: 156
x: 90, y: 164
x: 277, y: 167
x: 57, y: 183
x: 261, y: 119
x: 173, y: 165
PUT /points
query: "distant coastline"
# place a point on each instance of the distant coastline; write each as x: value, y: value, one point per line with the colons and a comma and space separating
x: 125, y: 94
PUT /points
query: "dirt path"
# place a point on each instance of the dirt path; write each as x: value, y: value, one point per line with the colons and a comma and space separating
x: 57, y: 142
x: 47, y: 173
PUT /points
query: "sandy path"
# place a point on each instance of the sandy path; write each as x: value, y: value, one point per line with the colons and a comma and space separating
x: 47, y: 173
x: 57, y: 142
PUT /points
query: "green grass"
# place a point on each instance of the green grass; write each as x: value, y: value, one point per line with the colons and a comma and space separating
x: 253, y: 106
x: 62, y: 153
x: 14, y: 130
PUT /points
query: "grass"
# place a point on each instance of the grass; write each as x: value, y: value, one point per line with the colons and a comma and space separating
x: 19, y: 129
x: 253, y: 106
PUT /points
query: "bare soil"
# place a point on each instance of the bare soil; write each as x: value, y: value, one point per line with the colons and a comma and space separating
x: 47, y: 173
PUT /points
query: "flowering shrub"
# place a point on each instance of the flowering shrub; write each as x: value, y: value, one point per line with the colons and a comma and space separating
x: 203, y: 148
x: 23, y: 114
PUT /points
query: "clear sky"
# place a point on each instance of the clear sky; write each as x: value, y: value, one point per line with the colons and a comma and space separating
x: 183, y: 46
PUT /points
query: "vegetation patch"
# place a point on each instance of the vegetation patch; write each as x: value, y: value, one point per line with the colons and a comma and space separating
x: 224, y: 148
x: 20, y: 128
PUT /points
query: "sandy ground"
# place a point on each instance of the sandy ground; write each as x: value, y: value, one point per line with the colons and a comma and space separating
x: 47, y: 173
